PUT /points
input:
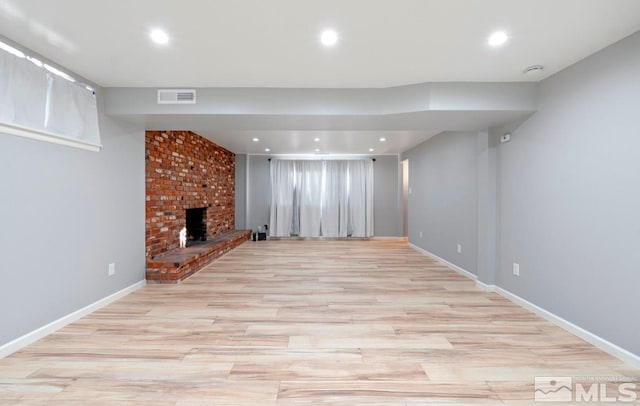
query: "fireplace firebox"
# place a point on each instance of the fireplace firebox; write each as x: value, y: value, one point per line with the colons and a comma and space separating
x: 197, y: 224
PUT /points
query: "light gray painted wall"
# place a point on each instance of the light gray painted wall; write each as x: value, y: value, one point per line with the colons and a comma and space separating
x: 569, y: 197
x: 258, y: 191
x: 66, y: 214
x: 387, y: 198
x: 386, y: 205
x: 241, y: 191
x: 442, y: 203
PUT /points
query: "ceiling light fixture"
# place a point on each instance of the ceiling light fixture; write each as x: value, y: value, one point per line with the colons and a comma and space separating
x: 382, y: 139
x: 316, y: 139
x: 256, y: 139
x: 371, y: 149
x: 329, y: 38
x: 159, y: 37
x: 267, y: 150
x: 498, y: 38
x: 317, y: 149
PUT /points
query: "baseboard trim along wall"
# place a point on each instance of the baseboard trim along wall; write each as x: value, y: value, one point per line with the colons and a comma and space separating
x: 444, y: 261
x: 606, y: 346
x: 383, y: 238
x: 29, y: 338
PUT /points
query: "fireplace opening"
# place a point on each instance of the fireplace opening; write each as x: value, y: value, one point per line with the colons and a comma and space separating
x: 197, y: 224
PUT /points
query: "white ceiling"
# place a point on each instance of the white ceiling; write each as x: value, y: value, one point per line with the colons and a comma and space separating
x: 259, y: 43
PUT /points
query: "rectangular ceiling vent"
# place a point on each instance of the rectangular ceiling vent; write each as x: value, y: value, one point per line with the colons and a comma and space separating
x: 176, y: 96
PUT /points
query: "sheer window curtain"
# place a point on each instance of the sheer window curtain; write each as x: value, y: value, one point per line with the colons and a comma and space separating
x: 335, y: 199
x: 312, y: 198
x: 282, y: 198
x: 310, y: 174
x: 361, y: 198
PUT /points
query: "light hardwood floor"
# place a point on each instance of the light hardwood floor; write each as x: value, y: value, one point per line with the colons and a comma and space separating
x: 304, y: 322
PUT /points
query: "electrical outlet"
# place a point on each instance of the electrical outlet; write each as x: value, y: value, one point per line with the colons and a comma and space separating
x: 516, y: 269
x: 112, y: 269
x: 420, y: 234
x: 459, y: 249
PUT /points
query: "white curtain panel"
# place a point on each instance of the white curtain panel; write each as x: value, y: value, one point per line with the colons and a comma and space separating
x: 361, y: 198
x: 312, y: 198
x: 36, y: 99
x: 71, y: 110
x: 23, y: 90
x: 335, y: 199
x: 282, y: 198
x: 310, y: 176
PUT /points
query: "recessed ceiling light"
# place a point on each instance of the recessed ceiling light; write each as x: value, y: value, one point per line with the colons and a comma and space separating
x: 317, y: 149
x: 371, y: 149
x: 498, y: 38
x: 267, y: 150
x: 329, y: 38
x: 159, y: 37
x: 256, y: 139
x: 316, y: 139
x: 382, y: 139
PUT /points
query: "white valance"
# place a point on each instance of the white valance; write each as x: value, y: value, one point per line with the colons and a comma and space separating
x: 39, y: 104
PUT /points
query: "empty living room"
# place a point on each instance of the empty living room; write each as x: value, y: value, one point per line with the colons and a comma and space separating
x: 363, y: 202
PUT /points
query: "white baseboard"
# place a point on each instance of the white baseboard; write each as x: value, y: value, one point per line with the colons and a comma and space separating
x: 444, y: 261
x: 383, y: 238
x: 606, y: 346
x: 29, y: 338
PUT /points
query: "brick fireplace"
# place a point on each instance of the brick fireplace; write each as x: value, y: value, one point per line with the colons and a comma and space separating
x: 190, y: 182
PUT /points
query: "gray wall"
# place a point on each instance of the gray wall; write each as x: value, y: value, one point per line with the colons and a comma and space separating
x: 241, y: 191
x: 387, y: 198
x: 386, y: 205
x: 561, y: 199
x: 258, y: 191
x: 442, y: 203
x: 569, y: 197
x: 66, y: 214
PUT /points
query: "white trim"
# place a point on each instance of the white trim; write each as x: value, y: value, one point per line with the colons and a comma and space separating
x: 29, y: 338
x: 485, y: 287
x: 389, y: 238
x: 605, y: 345
x: 41, y: 135
x: 455, y: 267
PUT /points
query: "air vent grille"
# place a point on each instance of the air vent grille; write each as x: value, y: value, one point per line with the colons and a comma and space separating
x: 176, y: 96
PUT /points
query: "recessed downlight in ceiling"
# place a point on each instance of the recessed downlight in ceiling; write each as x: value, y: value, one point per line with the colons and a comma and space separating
x: 267, y: 150
x: 498, y: 38
x: 317, y: 149
x: 159, y: 37
x: 382, y: 139
x: 316, y: 139
x: 371, y: 149
x: 329, y: 38
x: 256, y: 139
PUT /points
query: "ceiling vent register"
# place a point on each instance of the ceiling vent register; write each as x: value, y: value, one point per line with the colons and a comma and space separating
x: 176, y: 96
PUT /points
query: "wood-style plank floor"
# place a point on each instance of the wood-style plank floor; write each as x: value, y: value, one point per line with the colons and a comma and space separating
x: 304, y: 322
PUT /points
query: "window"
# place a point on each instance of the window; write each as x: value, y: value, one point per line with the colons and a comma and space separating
x: 41, y: 102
